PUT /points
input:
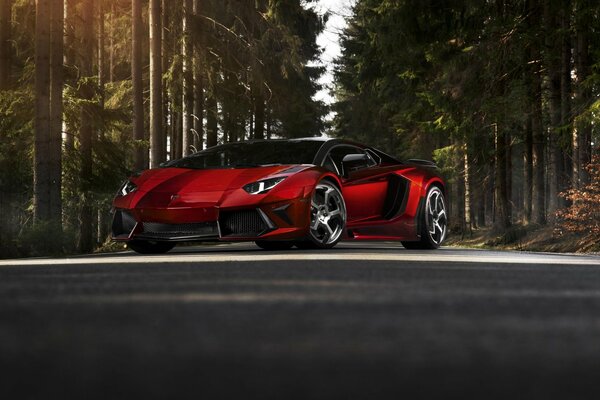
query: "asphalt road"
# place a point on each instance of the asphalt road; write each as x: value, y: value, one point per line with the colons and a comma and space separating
x: 365, y: 321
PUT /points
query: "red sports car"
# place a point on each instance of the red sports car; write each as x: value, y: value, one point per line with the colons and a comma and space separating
x: 308, y: 193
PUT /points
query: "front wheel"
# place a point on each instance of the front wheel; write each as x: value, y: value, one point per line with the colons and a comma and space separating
x: 150, y: 247
x: 327, y: 216
x: 433, y: 222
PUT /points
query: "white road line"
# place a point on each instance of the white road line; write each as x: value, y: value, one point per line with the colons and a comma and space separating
x: 212, y: 257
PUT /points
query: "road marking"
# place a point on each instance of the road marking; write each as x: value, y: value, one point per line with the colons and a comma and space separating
x: 213, y: 257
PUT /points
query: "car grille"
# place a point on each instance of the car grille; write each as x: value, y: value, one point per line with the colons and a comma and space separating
x: 166, y: 231
x: 243, y: 223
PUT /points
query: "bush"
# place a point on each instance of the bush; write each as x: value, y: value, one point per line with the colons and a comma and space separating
x: 583, y: 216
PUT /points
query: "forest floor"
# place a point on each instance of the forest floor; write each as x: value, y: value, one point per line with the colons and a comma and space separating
x: 525, y: 238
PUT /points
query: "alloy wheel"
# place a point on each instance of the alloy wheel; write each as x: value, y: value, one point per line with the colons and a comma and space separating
x: 327, y: 214
x: 437, y: 219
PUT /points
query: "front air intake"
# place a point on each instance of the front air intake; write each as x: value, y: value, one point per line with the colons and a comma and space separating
x: 244, y: 223
x: 123, y: 224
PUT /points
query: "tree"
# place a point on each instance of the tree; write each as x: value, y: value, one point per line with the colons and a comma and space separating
x: 157, y: 152
x: 86, y: 127
x: 5, y: 43
x: 136, y: 77
x: 187, y: 53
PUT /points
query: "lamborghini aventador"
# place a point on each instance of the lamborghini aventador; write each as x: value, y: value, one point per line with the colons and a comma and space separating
x: 308, y: 193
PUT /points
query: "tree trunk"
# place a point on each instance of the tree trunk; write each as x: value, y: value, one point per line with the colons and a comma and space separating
x: 156, y: 102
x: 111, y: 44
x: 86, y: 133
x: 502, y: 216
x: 259, y: 116
x: 41, y: 177
x: 5, y: 43
x: 212, y: 126
x: 468, y: 190
x: 69, y: 62
x: 188, y: 78
x: 583, y: 93
x: 198, y: 141
x: 138, y: 89
x: 566, y: 120
x: 552, y: 62
x: 56, y: 107
x: 535, y: 92
x: 166, y: 59
x: 528, y: 171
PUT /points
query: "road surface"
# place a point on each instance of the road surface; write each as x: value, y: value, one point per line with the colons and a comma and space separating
x: 367, y: 321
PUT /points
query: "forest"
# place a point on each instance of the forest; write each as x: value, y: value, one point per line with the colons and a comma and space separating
x: 501, y: 94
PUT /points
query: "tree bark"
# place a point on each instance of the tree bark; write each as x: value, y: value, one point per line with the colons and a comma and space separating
x: 468, y: 190
x: 259, y: 116
x: 138, y: 89
x: 584, y: 95
x: 528, y: 171
x: 212, y: 126
x: 502, y: 215
x: 86, y: 133
x: 56, y: 107
x: 552, y: 62
x: 535, y: 92
x: 41, y: 177
x: 69, y: 63
x: 566, y: 120
x: 198, y: 141
x: 156, y: 101
x: 5, y: 43
x: 188, y: 78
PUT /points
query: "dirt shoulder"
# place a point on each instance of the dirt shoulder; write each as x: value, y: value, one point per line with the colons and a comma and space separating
x: 525, y: 238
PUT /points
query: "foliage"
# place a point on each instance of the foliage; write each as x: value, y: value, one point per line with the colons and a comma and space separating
x: 583, y: 215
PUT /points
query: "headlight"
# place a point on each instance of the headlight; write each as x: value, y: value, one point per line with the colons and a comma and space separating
x: 263, y: 186
x: 128, y: 187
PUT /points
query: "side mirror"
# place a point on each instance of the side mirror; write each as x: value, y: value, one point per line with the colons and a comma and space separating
x: 354, y: 162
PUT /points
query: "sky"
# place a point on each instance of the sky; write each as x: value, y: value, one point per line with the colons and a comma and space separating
x: 329, y: 40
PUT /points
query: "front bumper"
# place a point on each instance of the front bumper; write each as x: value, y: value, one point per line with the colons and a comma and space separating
x: 277, y: 222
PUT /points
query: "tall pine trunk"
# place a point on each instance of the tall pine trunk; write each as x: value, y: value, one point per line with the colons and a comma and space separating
x: 5, y: 43
x: 538, y: 208
x: 136, y: 77
x: 583, y: 93
x: 198, y: 141
x: 41, y: 177
x: 188, y: 78
x: 56, y: 107
x: 156, y: 102
x: 552, y: 66
x: 259, y: 116
x: 86, y: 133
x: 566, y: 120
x: 212, y: 126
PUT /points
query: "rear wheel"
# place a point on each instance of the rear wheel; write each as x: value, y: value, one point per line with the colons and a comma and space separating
x: 433, y: 222
x: 274, y: 245
x: 150, y: 247
x: 327, y: 217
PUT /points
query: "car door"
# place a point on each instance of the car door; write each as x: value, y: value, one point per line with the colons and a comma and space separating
x: 364, y: 188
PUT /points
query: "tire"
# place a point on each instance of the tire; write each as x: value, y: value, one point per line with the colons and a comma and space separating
x: 327, y: 217
x: 274, y: 245
x: 147, y: 247
x: 433, y: 222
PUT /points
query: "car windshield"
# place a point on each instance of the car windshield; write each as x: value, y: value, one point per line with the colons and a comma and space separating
x: 251, y: 154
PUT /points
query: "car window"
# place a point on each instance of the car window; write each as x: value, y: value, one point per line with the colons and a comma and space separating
x: 330, y: 165
x: 337, y: 154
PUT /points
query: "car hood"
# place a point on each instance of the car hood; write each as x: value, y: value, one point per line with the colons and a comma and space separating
x: 178, y: 187
x: 179, y: 180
